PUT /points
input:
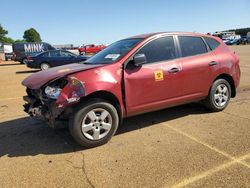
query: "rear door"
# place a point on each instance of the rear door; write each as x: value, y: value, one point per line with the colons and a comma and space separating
x: 55, y: 58
x: 198, y: 63
x: 156, y: 83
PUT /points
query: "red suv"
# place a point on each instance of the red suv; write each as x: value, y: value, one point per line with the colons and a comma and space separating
x: 133, y: 76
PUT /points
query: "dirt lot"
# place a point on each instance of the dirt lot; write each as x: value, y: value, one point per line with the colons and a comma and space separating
x: 184, y: 146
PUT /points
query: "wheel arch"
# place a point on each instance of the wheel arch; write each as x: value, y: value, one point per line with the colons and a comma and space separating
x: 109, y: 97
x: 45, y: 62
x: 23, y: 60
x: 230, y: 80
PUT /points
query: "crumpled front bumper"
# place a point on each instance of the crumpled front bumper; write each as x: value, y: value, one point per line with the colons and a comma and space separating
x: 38, y: 105
x: 48, y: 112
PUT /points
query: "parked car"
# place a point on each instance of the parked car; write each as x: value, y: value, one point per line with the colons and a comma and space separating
x: 133, y: 76
x: 243, y: 40
x: 22, y: 50
x: 231, y: 41
x: 53, y: 58
x: 91, y: 49
x: 8, y: 51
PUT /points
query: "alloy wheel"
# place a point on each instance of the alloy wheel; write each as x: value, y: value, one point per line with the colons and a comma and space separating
x: 96, y: 124
x: 221, y: 95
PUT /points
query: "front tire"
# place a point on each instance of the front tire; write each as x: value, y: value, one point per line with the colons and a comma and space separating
x: 94, y: 123
x: 219, y: 95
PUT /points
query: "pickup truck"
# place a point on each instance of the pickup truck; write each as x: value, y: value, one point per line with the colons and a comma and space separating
x: 90, y: 49
x: 133, y: 76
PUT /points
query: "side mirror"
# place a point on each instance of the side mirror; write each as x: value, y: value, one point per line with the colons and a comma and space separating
x: 139, y: 59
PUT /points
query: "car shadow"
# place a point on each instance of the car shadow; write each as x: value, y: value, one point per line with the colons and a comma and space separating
x: 25, y: 72
x: 29, y: 137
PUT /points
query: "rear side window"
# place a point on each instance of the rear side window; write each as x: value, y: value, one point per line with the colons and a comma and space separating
x: 192, y: 46
x: 211, y: 43
x: 161, y: 49
x: 46, y: 54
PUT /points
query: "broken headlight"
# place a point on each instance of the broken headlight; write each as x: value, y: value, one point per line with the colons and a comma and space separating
x: 52, y: 92
x: 53, y: 89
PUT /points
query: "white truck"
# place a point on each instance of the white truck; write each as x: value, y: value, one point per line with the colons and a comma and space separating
x: 8, y: 51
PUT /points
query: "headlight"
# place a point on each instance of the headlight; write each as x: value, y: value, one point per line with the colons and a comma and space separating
x: 52, y: 92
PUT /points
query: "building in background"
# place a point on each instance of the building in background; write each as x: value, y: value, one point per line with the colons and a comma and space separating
x: 65, y: 46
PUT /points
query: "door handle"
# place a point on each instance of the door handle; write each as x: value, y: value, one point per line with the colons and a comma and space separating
x: 174, y: 70
x: 212, y: 63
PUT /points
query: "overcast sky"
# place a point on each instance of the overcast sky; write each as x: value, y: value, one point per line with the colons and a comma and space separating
x: 105, y: 21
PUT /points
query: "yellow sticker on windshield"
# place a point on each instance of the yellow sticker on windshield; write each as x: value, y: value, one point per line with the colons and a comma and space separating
x: 159, y: 75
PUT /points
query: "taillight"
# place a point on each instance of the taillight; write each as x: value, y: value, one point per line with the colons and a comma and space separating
x: 29, y: 58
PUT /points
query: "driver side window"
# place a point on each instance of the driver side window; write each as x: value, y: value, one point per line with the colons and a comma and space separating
x: 161, y: 49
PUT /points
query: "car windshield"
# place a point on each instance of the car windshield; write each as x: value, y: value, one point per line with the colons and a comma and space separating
x: 113, y: 52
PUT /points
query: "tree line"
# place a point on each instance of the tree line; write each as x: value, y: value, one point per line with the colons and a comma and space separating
x: 30, y: 35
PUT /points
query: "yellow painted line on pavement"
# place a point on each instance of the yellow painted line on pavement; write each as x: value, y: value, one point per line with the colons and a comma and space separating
x: 210, y: 147
x: 234, y: 160
x: 210, y: 172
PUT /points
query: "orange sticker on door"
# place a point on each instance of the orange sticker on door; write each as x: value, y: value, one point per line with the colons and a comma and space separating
x: 159, y: 75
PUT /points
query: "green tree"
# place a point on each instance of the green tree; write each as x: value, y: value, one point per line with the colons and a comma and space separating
x: 3, y: 32
x: 7, y: 40
x: 3, y: 37
x: 31, y: 35
x: 20, y: 40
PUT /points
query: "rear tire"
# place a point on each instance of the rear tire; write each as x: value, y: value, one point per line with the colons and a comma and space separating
x: 24, y: 61
x: 44, y: 66
x: 219, y: 95
x: 94, y: 123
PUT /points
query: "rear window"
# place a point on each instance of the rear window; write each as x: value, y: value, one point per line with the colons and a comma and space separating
x: 212, y: 43
x: 192, y: 46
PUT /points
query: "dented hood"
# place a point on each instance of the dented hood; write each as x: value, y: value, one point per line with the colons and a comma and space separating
x: 36, y: 80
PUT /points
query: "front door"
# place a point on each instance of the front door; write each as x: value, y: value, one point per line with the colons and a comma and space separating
x: 155, y: 84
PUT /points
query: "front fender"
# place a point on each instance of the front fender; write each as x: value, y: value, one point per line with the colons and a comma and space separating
x: 85, y: 83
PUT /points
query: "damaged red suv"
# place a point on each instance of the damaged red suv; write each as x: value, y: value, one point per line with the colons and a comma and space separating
x: 133, y: 76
